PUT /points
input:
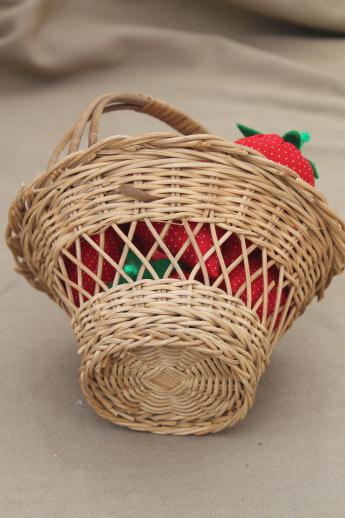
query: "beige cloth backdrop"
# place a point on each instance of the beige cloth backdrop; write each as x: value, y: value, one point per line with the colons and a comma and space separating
x: 222, y: 65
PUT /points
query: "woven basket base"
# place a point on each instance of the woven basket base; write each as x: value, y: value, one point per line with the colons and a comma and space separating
x: 170, y: 356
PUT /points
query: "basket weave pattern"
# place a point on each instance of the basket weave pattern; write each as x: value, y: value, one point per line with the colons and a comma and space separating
x: 180, y: 355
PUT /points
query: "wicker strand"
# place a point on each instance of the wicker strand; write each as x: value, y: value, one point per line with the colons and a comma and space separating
x: 123, y: 101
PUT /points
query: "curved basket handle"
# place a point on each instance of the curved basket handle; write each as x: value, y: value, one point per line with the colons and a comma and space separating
x: 123, y: 101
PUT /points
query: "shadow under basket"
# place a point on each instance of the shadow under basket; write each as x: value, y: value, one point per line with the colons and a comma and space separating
x: 181, y: 351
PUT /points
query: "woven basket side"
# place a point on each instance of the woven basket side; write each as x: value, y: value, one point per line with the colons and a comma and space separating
x: 273, y: 305
x: 170, y: 357
x: 201, y: 179
x: 18, y: 242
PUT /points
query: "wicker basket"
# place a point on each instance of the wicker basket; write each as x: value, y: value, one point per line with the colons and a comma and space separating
x: 175, y: 354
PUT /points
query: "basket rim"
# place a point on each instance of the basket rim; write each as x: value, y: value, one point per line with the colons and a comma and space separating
x: 285, y: 173
x: 276, y: 172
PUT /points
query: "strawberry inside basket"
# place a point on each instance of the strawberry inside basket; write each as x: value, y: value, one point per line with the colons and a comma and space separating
x: 203, y: 252
x: 197, y: 251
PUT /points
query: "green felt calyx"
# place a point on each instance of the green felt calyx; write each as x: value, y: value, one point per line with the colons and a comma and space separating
x: 297, y: 138
x: 133, y: 265
x: 160, y: 266
x: 316, y: 174
x: 132, y: 269
x: 246, y: 131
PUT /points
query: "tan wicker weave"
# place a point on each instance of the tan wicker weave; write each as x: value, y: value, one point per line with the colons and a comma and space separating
x: 172, y: 355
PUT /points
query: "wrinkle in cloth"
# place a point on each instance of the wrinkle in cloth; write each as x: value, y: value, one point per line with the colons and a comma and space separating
x: 58, y: 36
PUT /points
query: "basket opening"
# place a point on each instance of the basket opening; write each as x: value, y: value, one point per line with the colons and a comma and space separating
x: 177, y: 250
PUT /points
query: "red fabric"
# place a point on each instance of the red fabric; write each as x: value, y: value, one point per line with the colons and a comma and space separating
x: 278, y: 150
x: 232, y: 249
x: 174, y: 240
x: 237, y: 279
x: 176, y: 275
x: 89, y: 257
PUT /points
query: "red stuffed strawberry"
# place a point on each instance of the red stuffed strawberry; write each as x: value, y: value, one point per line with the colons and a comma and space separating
x: 232, y: 249
x: 90, y: 257
x: 237, y: 279
x: 284, y: 150
x: 175, y: 239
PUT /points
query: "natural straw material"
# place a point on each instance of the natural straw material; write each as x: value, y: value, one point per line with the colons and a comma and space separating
x: 172, y: 355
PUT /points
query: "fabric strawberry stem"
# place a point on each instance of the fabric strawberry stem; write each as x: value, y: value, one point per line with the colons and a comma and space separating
x: 246, y: 131
x: 316, y: 174
x: 297, y: 138
x: 133, y: 264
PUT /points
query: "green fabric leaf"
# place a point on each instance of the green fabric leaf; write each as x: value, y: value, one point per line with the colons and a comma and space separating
x: 316, y: 174
x: 305, y: 137
x: 246, y: 131
x: 297, y: 138
x: 160, y: 267
x: 133, y: 265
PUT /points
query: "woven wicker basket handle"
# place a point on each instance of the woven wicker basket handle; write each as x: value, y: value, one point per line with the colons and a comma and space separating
x: 124, y: 101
